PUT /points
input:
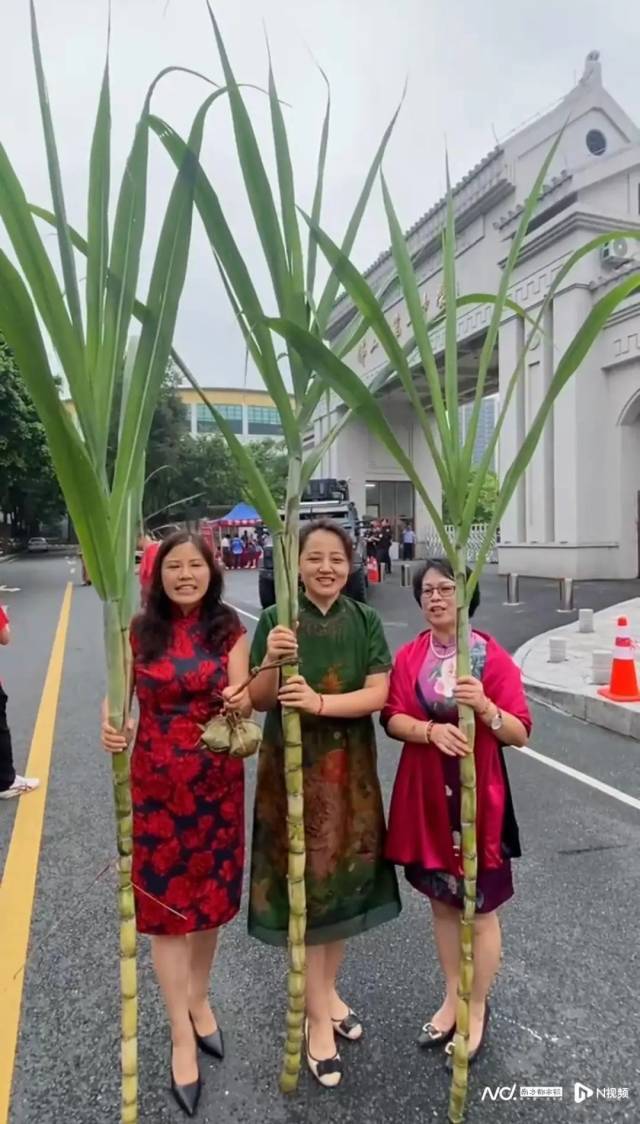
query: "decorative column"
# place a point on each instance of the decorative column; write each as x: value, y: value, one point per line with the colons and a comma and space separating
x: 539, y: 480
x: 513, y: 527
x: 570, y: 310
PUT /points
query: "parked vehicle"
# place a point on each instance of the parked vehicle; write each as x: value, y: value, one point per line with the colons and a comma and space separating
x: 37, y: 545
x: 324, y: 498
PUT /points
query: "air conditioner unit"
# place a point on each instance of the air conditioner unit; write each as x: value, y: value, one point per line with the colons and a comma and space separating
x: 617, y: 252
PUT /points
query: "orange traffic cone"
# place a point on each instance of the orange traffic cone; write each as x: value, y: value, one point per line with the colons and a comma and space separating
x: 624, y: 682
x: 373, y: 572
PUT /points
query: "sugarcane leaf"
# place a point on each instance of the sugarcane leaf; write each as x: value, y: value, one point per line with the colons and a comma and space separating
x: 287, y: 188
x: 316, y: 206
x: 55, y: 179
x: 238, y: 276
x: 98, y: 227
x: 411, y: 294
x: 354, y: 394
x: 330, y: 291
x: 451, y: 332
x: 370, y: 309
x: 80, y: 485
x: 505, y: 280
x: 248, y: 336
x: 43, y: 284
x: 255, y: 179
x: 122, y: 277
x: 152, y: 353
x: 255, y: 480
x: 573, y: 356
x: 296, y: 309
x: 314, y: 458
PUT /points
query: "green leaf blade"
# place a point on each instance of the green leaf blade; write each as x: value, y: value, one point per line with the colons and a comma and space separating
x: 80, y: 485
x: 255, y: 179
x: 55, y: 179
x: 98, y: 226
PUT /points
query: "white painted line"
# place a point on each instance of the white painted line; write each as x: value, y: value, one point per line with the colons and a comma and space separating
x: 243, y: 612
x: 615, y: 793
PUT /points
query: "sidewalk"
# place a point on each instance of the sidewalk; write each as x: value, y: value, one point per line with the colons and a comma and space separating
x: 568, y: 685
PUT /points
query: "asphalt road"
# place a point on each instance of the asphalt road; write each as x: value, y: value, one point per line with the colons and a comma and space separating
x: 565, y: 1005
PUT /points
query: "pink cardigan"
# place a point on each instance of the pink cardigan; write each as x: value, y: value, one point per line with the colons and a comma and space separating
x: 419, y: 828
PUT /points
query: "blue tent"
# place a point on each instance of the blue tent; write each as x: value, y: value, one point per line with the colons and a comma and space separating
x: 242, y: 515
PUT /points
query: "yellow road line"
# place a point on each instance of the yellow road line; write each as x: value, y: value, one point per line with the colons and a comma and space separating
x: 17, y: 890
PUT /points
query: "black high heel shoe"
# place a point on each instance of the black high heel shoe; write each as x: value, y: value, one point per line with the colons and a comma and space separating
x: 186, y: 1096
x: 473, y: 1056
x: 211, y: 1044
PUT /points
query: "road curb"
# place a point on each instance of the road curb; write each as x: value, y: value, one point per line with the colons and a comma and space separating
x: 617, y: 717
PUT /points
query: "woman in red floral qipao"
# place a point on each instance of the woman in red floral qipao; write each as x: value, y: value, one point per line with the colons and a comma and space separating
x: 189, y: 650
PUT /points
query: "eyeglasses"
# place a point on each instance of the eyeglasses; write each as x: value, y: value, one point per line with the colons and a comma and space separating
x: 446, y: 590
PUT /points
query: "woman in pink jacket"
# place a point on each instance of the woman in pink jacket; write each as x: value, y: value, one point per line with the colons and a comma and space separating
x: 424, y: 832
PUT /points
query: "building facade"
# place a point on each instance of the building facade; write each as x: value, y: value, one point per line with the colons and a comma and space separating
x: 576, y: 512
x: 251, y: 414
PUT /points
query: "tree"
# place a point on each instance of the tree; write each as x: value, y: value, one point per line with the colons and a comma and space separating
x: 169, y: 431
x: 487, y: 496
x: 29, y: 491
x: 90, y: 339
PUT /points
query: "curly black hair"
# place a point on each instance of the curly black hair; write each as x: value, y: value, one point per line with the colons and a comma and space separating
x: 153, y: 624
x: 444, y: 567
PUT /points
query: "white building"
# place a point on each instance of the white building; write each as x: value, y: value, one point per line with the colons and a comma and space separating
x: 576, y: 513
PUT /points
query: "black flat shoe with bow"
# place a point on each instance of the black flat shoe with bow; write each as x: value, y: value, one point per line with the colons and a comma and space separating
x: 473, y: 1056
x: 186, y: 1096
x: 211, y: 1044
x: 430, y: 1036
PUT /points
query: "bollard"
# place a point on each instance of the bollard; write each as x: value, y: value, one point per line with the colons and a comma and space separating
x: 557, y: 649
x: 585, y: 620
x: 566, y: 595
x: 406, y: 574
x: 513, y: 589
x: 601, y: 666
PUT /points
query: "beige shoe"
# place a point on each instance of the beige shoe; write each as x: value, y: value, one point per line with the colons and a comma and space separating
x: 328, y: 1071
x: 20, y: 786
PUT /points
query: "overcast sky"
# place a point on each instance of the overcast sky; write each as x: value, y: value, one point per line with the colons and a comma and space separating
x: 475, y: 71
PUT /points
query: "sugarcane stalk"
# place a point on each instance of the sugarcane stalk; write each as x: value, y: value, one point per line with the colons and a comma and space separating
x: 118, y: 695
x: 466, y: 717
x: 286, y: 552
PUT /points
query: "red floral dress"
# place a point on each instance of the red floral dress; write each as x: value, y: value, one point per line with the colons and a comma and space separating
x: 188, y: 803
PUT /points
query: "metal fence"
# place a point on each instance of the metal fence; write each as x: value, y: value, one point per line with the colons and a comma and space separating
x: 433, y: 546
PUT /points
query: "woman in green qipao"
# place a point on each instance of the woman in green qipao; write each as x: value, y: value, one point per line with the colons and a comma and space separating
x: 344, y: 665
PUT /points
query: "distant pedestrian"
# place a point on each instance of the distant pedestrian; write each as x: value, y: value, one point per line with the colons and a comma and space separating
x: 226, y: 552
x: 384, y: 548
x: 408, y: 544
x: 425, y: 829
x: 11, y: 783
x: 150, y: 549
x: 237, y: 550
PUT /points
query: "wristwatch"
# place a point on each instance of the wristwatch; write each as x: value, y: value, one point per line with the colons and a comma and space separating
x: 497, y: 721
